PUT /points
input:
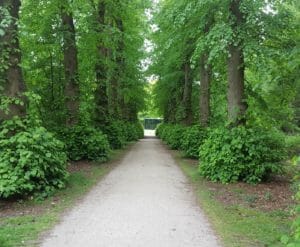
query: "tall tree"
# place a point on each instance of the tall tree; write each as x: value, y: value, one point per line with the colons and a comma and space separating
x: 119, y: 107
x: 70, y: 64
x: 236, y: 66
x: 205, y: 71
x: 101, y: 67
x: 10, y: 58
x: 187, y: 94
x: 204, y: 99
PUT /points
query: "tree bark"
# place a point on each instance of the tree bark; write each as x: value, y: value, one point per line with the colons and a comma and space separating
x: 205, y: 81
x: 116, y: 99
x: 173, y: 107
x: 236, y: 71
x: 123, y: 106
x: 11, y: 76
x: 187, y: 95
x: 101, y: 95
x: 70, y: 66
x: 113, y: 99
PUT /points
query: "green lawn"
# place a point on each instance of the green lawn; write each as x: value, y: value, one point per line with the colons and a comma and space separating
x: 25, y: 230
x: 236, y: 225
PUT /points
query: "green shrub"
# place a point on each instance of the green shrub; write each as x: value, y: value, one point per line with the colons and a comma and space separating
x: 293, y: 145
x: 86, y: 143
x: 165, y: 132
x: 116, y: 134
x: 119, y: 132
x: 192, y: 139
x: 31, y: 160
x: 133, y: 131
x: 241, y: 154
x: 159, y: 129
x: 175, y: 137
x: 162, y: 129
x: 171, y: 134
x: 130, y: 131
x: 139, y: 130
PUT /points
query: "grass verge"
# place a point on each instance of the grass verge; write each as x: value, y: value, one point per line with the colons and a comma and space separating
x: 27, y: 220
x: 237, y: 225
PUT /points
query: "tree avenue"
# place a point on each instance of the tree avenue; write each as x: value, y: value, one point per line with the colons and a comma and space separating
x: 74, y: 83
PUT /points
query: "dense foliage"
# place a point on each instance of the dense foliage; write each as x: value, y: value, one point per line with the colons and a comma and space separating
x: 139, y: 128
x: 73, y: 68
x: 229, y: 154
x: 171, y: 134
x: 293, y: 144
x: 187, y: 139
x: 32, y: 160
x: 160, y: 129
x: 116, y: 135
x: 86, y: 143
x: 120, y: 132
x: 193, y: 138
x: 241, y: 154
x: 133, y: 131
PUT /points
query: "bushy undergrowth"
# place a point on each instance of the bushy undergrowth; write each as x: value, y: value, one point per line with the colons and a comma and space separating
x: 31, y: 160
x: 241, y: 154
x: 115, y: 134
x: 172, y: 135
x: 129, y: 132
x: 192, y: 139
x: 85, y: 143
x: 120, y: 132
x: 132, y: 131
x: 228, y: 154
x: 160, y: 129
x: 293, y: 144
x: 139, y: 128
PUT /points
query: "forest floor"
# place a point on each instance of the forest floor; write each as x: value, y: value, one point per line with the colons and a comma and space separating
x: 145, y: 201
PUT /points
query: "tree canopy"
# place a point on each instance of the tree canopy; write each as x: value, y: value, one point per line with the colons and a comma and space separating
x: 244, y: 55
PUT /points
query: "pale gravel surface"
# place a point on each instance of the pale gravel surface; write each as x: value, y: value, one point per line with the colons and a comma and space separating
x: 146, y: 201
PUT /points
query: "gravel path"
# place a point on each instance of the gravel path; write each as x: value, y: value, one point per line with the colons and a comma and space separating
x: 146, y: 201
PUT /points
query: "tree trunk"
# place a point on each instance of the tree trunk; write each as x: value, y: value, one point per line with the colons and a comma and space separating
x: 172, y: 109
x: 205, y: 81
x: 116, y: 98
x: 187, y: 95
x: 101, y: 96
x: 11, y: 77
x: 70, y: 66
x: 236, y: 71
x: 123, y: 105
x: 114, y: 95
